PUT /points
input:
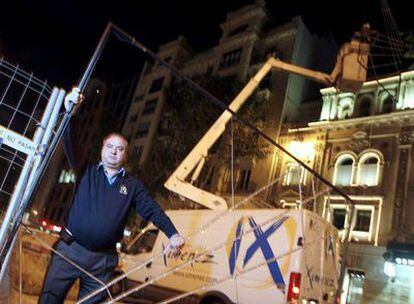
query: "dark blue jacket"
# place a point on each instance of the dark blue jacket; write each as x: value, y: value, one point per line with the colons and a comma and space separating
x: 99, y: 212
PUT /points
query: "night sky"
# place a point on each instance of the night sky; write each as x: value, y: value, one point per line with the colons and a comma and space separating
x: 55, y: 39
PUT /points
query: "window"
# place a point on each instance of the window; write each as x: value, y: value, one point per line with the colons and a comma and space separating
x: 295, y: 174
x: 142, y: 130
x: 244, y: 179
x: 238, y: 30
x: 133, y: 118
x: 138, y: 98
x: 368, y: 170
x: 67, y: 177
x: 137, y: 152
x: 353, y: 287
x: 345, y: 107
x: 167, y: 59
x: 387, y: 103
x: 344, y: 170
x: 364, y: 106
x: 150, y: 107
x: 365, y: 222
x: 156, y: 85
x: 142, y: 243
x: 338, y: 218
x: 230, y: 58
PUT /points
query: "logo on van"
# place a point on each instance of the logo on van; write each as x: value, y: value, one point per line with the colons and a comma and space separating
x: 261, y: 243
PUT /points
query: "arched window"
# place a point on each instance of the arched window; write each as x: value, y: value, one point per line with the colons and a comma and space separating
x: 387, y: 105
x: 344, y: 170
x: 345, y: 107
x: 369, y: 169
x: 364, y: 107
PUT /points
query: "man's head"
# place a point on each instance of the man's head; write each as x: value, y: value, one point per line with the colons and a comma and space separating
x: 114, y: 150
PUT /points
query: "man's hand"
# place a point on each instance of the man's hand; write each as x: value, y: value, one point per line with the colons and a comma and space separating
x: 175, y: 245
x: 73, y: 99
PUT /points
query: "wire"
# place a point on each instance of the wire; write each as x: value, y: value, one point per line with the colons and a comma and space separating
x: 45, y: 245
x: 239, y: 273
x: 201, y: 230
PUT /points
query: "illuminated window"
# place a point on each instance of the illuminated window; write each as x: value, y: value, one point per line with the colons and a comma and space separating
x: 353, y: 287
x: 295, y: 174
x: 67, y: 177
x: 345, y: 107
x: 363, y: 220
x: 344, y: 170
x: 369, y: 170
x: 364, y: 226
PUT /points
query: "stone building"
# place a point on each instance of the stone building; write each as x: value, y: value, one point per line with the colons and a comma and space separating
x: 248, y: 37
x: 362, y: 143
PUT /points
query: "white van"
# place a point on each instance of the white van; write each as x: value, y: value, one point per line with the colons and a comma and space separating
x: 281, y: 256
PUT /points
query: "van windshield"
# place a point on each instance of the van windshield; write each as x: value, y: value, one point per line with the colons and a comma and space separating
x: 143, y: 243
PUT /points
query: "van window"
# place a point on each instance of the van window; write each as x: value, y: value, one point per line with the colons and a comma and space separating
x: 143, y: 244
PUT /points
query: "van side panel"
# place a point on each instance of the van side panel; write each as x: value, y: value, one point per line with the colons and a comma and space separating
x: 262, y: 246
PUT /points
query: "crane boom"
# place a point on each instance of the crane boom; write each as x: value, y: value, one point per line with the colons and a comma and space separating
x: 355, y: 52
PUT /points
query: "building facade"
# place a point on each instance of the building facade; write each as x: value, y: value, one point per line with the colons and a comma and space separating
x: 362, y: 143
x: 248, y: 38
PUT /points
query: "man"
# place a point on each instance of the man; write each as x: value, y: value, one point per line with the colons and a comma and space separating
x: 97, y: 219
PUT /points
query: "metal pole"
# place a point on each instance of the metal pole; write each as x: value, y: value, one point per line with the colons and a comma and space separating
x: 95, y: 57
x: 24, y: 175
x: 6, y: 260
x: 34, y: 174
x: 20, y: 266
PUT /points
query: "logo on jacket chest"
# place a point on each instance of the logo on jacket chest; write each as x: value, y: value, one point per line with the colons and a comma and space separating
x: 123, y: 190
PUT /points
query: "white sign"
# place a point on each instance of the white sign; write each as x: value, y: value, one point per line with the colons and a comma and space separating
x: 16, y: 141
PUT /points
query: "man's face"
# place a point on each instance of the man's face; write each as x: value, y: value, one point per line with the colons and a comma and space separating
x: 114, y: 152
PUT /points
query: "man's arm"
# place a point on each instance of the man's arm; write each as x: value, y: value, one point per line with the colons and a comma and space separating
x: 148, y: 209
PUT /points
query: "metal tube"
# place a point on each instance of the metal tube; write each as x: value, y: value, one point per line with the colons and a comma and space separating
x: 24, y: 175
x: 35, y: 173
x: 92, y: 63
x: 46, y: 137
x: 3, y: 269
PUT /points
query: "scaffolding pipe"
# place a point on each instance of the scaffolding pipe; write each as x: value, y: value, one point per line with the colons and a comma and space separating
x: 34, y: 177
x: 24, y: 175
